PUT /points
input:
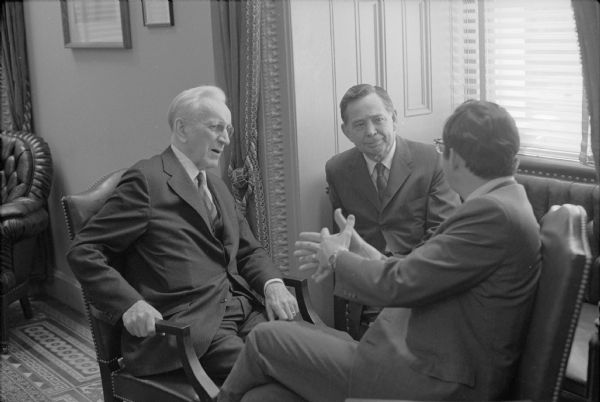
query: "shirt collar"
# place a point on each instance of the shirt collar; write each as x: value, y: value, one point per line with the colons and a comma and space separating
x: 488, y: 186
x: 189, y: 166
x: 387, y: 160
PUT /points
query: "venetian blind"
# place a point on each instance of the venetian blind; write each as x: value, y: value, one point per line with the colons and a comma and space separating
x: 524, y: 55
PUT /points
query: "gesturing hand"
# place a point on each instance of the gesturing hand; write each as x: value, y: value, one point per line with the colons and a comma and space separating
x: 357, y: 244
x: 316, y: 255
x: 140, y: 318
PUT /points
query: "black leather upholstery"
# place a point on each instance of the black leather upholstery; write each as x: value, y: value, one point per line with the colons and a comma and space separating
x: 25, y: 180
x: 543, y: 192
x: 566, y: 262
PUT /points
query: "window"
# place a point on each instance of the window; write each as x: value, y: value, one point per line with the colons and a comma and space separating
x: 524, y: 55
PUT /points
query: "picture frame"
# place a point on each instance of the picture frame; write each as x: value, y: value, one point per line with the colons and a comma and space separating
x: 96, y: 23
x: 157, y: 13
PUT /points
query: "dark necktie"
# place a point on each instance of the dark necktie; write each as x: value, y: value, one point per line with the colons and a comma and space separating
x: 205, y: 197
x: 380, y: 180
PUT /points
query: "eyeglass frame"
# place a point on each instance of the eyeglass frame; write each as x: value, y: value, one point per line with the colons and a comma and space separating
x: 440, y: 147
x: 218, y: 128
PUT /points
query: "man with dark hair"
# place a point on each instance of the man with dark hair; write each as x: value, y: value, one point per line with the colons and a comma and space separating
x: 456, y: 307
x: 393, y: 186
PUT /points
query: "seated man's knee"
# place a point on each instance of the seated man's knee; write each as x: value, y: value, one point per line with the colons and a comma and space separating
x: 269, y: 332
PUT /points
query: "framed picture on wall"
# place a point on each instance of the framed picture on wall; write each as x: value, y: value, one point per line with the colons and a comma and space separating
x: 157, y: 13
x: 96, y: 23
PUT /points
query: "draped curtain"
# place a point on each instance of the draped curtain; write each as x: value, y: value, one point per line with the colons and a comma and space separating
x: 237, y: 31
x: 587, y: 19
x: 15, y: 96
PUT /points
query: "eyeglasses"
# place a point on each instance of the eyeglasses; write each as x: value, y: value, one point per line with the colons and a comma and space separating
x: 218, y: 128
x: 439, y: 145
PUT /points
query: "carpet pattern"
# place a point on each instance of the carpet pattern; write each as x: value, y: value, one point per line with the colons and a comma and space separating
x: 51, y: 357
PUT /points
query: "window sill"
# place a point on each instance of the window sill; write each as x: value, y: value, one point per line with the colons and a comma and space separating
x: 555, y: 168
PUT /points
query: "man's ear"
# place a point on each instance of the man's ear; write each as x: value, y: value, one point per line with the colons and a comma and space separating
x: 344, y: 128
x: 395, y: 120
x: 179, y: 130
x: 456, y: 161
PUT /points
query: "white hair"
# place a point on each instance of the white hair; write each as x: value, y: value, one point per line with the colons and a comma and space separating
x: 191, y: 99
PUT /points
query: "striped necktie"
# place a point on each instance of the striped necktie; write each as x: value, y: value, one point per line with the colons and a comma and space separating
x: 380, y: 180
x: 206, y: 198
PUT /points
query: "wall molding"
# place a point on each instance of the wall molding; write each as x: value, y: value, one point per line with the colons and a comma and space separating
x: 373, y: 21
x: 420, y: 104
x: 273, y: 157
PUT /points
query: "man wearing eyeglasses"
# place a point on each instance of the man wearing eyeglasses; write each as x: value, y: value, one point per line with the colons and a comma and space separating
x: 188, y: 255
x: 394, y: 187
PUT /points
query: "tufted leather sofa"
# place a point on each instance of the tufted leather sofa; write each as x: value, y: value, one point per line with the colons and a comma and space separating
x: 25, y: 180
x: 545, y: 188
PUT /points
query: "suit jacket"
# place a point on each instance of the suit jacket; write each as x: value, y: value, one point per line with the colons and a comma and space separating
x: 151, y: 241
x: 457, y: 306
x: 416, y: 201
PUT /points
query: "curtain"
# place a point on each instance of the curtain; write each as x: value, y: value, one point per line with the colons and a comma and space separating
x: 17, y: 109
x: 237, y: 31
x: 15, y: 71
x: 587, y: 20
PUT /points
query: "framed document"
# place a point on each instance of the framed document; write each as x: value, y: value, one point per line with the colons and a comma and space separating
x: 96, y: 23
x: 157, y: 13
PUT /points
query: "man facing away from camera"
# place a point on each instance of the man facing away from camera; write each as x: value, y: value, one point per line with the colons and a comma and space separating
x: 455, y: 309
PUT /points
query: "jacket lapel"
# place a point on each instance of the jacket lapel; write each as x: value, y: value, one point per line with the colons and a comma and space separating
x: 358, y: 177
x: 402, y: 166
x: 181, y: 184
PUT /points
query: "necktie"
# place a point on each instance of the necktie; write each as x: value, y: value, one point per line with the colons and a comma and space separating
x: 206, y: 198
x: 380, y: 180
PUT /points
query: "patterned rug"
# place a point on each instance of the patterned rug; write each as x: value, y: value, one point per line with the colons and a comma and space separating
x: 50, y: 357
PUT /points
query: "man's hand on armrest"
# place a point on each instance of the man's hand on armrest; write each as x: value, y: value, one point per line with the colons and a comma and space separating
x: 139, y: 320
x: 279, y: 302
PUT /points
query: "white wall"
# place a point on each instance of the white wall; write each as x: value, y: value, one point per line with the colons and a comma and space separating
x: 104, y: 109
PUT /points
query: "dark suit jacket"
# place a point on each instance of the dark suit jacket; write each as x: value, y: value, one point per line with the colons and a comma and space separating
x: 457, y: 307
x: 155, y: 226
x: 417, y: 197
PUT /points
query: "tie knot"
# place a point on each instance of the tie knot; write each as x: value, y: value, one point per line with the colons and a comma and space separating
x: 200, y: 180
x: 380, y: 168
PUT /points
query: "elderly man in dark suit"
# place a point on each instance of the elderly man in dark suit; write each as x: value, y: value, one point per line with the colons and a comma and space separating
x: 456, y: 307
x: 394, y: 187
x: 169, y: 243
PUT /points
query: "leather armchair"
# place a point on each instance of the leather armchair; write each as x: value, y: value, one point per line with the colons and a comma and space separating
x: 25, y: 180
x: 582, y: 380
x: 190, y: 384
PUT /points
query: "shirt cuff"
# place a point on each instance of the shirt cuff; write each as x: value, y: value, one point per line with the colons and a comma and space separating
x: 270, y: 281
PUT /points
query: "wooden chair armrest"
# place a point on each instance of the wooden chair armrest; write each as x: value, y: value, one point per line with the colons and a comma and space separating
x: 203, y: 385
x: 307, y: 312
